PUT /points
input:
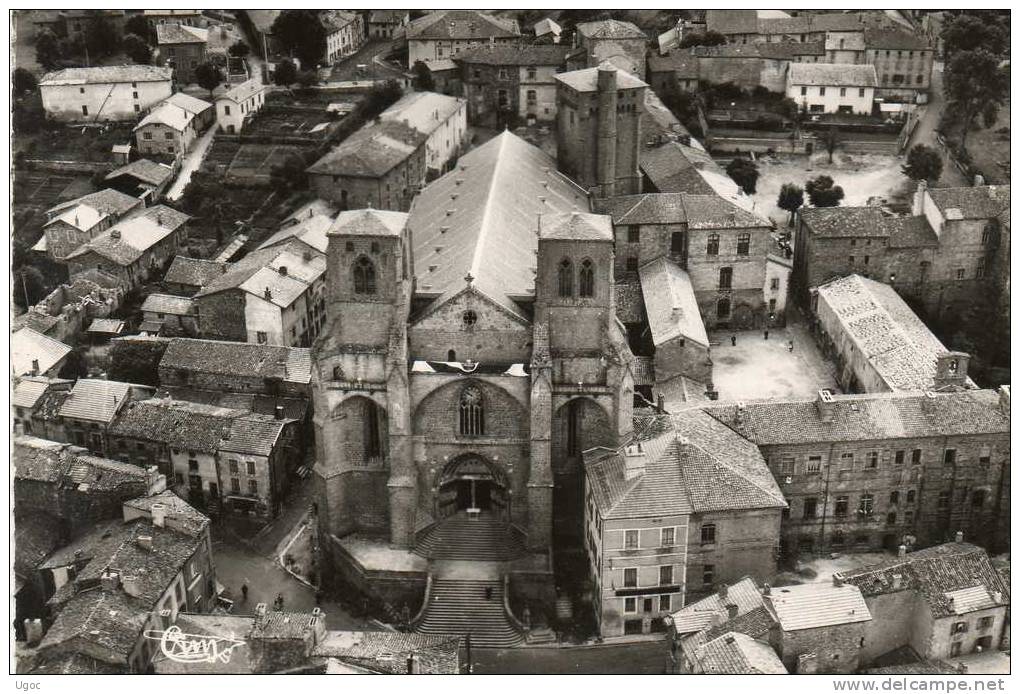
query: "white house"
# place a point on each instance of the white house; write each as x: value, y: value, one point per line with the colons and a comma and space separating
x: 831, y: 87
x: 443, y: 34
x: 107, y: 93
x: 443, y: 119
x: 235, y: 106
x: 345, y: 34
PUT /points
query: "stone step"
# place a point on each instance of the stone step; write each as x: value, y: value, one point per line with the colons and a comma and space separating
x: 459, y: 607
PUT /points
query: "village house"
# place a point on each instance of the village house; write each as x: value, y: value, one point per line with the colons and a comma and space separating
x: 747, y: 66
x: 143, y: 179
x: 107, y: 93
x: 774, y: 26
x: 650, y: 495
x: 309, y: 232
x: 384, y: 24
x: 35, y: 354
x: 72, y: 24
x: 30, y: 396
x: 182, y: 48
x: 186, y: 275
x: 134, y: 249
x: 903, y: 63
x: 621, y: 43
x: 735, y: 653
x: 65, y: 313
x: 237, y: 105
x: 218, y: 458
x: 345, y: 34
x: 272, y: 296
x: 71, y: 224
x: 442, y: 119
x: 189, y: 18
x: 506, y: 83
x: 830, y: 88
x: 443, y: 34
x: 173, y: 125
x: 89, y: 409
x: 547, y: 31
x: 943, y: 602
x: 381, y: 166
x: 175, y: 315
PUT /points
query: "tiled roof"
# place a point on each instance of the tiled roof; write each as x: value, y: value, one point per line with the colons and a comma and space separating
x: 263, y: 19
x: 95, y: 400
x: 461, y: 24
x: 836, y: 21
x: 167, y: 303
x: 177, y: 112
x: 670, y: 303
x: 502, y: 54
x: 586, y: 80
x: 489, y: 230
x: 716, y: 212
x: 835, y: 42
x: 832, y: 75
x: 180, y: 33
x: 868, y: 417
x: 335, y: 20
x: 368, y: 223
x: 109, y: 326
x: 813, y: 605
x: 894, y: 341
x: 75, y: 664
x: 426, y: 112
x: 648, y: 208
x: 286, y: 270
x: 178, y: 514
x: 682, y: 62
x: 99, y: 204
x: 660, y: 120
x: 738, y: 654
x: 910, y: 232
x: 579, y: 226
x: 629, y: 302
x: 289, y: 364
x: 29, y: 390
x: 675, y: 168
x: 979, y: 202
x: 744, y: 594
x: 372, y: 151
x: 846, y: 222
x: 937, y: 574
x: 387, y: 16
x: 919, y: 668
x: 387, y: 651
x: 228, y: 626
x: 127, y: 240
x: 610, y: 29
x: 193, y: 272
x: 28, y: 345
x: 732, y: 21
x: 275, y: 287
x: 894, y: 39
x: 144, y: 170
x: 310, y: 231
x: 242, y: 91
x: 293, y: 407
x: 106, y: 74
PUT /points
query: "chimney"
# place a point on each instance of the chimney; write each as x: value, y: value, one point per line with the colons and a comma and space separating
x: 723, y: 590
x: 837, y: 581
x: 979, y: 180
x: 922, y: 189
x: 730, y: 638
x: 766, y: 589
x: 144, y: 542
x: 635, y: 460
x: 109, y: 581
x: 962, y: 668
x: 35, y: 367
x: 605, y: 144
x: 1004, y: 400
x: 897, y: 581
x: 155, y: 483
x: 826, y: 406
x: 738, y: 417
x: 732, y: 610
x: 33, y: 631
x: 997, y: 597
x: 951, y: 369
x: 132, y: 586
x: 317, y: 625
x: 164, y: 618
x: 279, y: 411
x: 268, y: 294
x: 282, y: 270
x: 115, y: 233
x: 159, y: 219
x: 159, y: 515
x: 902, y: 551
x: 661, y: 403
x: 959, y: 536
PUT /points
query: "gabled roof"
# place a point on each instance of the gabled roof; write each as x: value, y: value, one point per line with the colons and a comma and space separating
x: 176, y: 112
x: 813, y: 605
x: 372, y: 151
x: 461, y: 24
x: 978, y: 202
x: 832, y: 75
x: 242, y: 91
x: 87, y: 211
x: 547, y: 26
x: 586, y: 80
x: 610, y: 29
x: 670, y: 303
x: 28, y: 345
x: 193, y: 272
x: 335, y: 20
x: 579, y: 226
x: 96, y: 400
x: 310, y: 231
x: 894, y: 39
x: 180, y: 33
x: 426, y: 112
x: 168, y: 303
x: 144, y: 170
x: 106, y: 74
x: 703, y: 613
x: 368, y: 223
x: 286, y: 270
x: 514, y: 54
x: 28, y: 391
x: 482, y: 219
x: 734, y: 653
x: 289, y: 364
x: 127, y: 240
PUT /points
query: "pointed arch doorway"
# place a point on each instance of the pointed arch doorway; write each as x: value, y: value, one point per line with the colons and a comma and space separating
x: 470, y: 483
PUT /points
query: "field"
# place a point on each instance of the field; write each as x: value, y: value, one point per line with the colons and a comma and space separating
x: 74, y: 143
x: 293, y: 121
x: 252, y: 161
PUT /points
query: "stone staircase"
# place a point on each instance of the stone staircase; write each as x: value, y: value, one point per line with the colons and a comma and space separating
x: 480, y: 539
x: 458, y: 606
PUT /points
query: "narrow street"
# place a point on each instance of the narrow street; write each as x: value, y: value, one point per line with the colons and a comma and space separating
x: 924, y: 133
x: 192, y: 160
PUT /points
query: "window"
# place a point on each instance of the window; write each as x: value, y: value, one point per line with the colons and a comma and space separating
x: 532, y: 96
x: 871, y: 460
x: 860, y: 92
x: 193, y: 466
x: 985, y: 623
x: 944, y: 498
x: 814, y: 463
x: 632, y: 264
x: 84, y: 110
x: 851, y: 260
x: 959, y: 628
x: 725, y: 278
x: 866, y: 506
x: 226, y: 110
x: 665, y: 604
x: 842, y: 91
x: 138, y: 109
x: 147, y: 136
x: 915, y: 456
x: 630, y: 604
x: 375, y: 247
x: 472, y: 412
x: 985, y: 458
x: 743, y: 244
x: 803, y: 91
x: 566, y: 277
x: 979, y: 272
x: 810, y: 508
x: 666, y: 575
x: 586, y: 279
x: 630, y: 578
x: 253, y: 487
x: 630, y: 539
x: 667, y: 538
x: 774, y: 284
x: 676, y: 243
x: 821, y: 91
x: 261, y: 337
x: 708, y: 534
x: 911, y: 495
x: 722, y: 309
x: 960, y: 273
x: 787, y: 464
x: 469, y: 318
x: 81, y: 90
x: 899, y: 457
x: 949, y: 457
x: 531, y: 73
x: 713, y: 244
x: 842, y: 506
x: 235, y: 485
x: 708, y: 574
x: 846, y: 461
x: 503, y: 74
x: 838, y: 539
x: 250, y: 466
x: 233, y: 467
x: 364, y: 276
x: 894, y: 497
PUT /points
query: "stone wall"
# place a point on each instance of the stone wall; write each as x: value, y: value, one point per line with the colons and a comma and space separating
x: 220, y: 316
x: 837, y: 647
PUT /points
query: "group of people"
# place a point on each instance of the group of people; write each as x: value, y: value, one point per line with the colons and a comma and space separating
x: 277, y: 604
x: 789, y: 343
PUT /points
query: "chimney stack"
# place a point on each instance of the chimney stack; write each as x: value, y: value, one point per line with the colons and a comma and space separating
x: 902, y: 551
x: 635, y: 461
x: 282, y: 270
x: 959, y: 536
x: 922, y: 189
x: 35, y: 367
x: 732, y: 610
x: 826, y: 406
x: 164, y: 618
x: 131, y: 586
x: 33, y: 631
x: 837, y: 581
x: 159, y: 515
x: 279, y: 411
x: 897, y: 581
x: 144, y: 542
x: 766, y: 589
x: 115, y: 233
x: 723, y: 591
x: 268, y: 294
x: 109, y: 581
x: 951, y: 369
x: 260, y: 613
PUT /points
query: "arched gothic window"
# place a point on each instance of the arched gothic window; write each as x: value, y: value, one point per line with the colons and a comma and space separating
x: 472, y: 412
x: 586, y: 279
x: 566, y: 275
x: 364, y: 276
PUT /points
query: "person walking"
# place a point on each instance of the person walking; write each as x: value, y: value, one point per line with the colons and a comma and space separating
x: 244, y: 592
x: 733, y: 340
x: 790, y: 345
x: 766, y: 333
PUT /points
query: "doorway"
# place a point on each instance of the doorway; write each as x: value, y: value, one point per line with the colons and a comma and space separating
x: 472, y: 483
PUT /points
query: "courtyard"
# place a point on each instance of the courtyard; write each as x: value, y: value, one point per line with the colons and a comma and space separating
x: 757, y: 368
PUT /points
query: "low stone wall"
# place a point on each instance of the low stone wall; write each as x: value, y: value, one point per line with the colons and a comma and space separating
x: 395, y: 588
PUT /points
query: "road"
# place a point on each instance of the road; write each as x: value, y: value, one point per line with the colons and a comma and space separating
x: 642, y: 658
x: 192, y: 160
x: 924, y: 133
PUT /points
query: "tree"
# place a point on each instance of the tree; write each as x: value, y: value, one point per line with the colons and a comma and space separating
x: 422, y: 80
x: 975, y: 85
x: 709, y: 38
x: 135, y: 47
x: 239, y: 50
x: 969, y: 32
x: 307, y: 79
x: 101, y: 38
x: 823, y: 193
x: 208, y: 76
x: 832, y: 139
x: 923, y: 164
x: 791, y: 198
x: 139, y: 26
x: 301, y: 33
x: 47, y: 49
x: 745, y: 173
x: 290, y: 174
x: 285, y: 73
x: 24, y: 82
x: 29, y: 286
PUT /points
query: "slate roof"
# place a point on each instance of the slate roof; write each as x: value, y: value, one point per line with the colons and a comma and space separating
x: 287, y: 270
x: 368, y: 223
x: 129, y: 239
x: 586, y: 80
x: 894, y: 39
x: 168, y: 303
x: 868, y: 417
x: 832, y: 75
x: 243, y: 90
x: 813, y: 605
x: 936, y: 574
x: 910, y: 232
x: 106, y: 74
x: 289, y: 364
x: 372, y: 151
x: 894, y: 341
x: 28, y: 345
x: 670, y: 303
x: 682, y: 62
x: 180, y: 33
x: 95, y: 400
x: 490, y: 230
x: 193, y: 272
x: 734, y: 653
x: 426, y: 112
x: 979, y: 202
x: 610, y: 29
x: 461, y: 24
x: 502, y: 54
x: 144, y: 170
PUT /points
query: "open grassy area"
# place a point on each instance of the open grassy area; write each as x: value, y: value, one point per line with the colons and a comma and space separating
x: 989, y: 148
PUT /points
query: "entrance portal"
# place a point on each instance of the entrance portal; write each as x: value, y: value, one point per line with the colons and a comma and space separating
x: 471, y: 483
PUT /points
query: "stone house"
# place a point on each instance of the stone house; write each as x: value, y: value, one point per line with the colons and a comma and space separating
x: 903, y: 63
x: 65, y: 313
x: 502, y: 80
x: 735, y: 653
x: 384, y: 24
x: 90, y: 409
x: 381, y: 166
x: 107, y: 93
x: 143, y: 179
x: 174, y: 314
x: 76, y: 222
x: 621, y: 43
x: 345, y: 34
x: 747, y: 66
x: 943, y: 602
x: 443, y: 34
x: 442, y: 119
x: 188, y: 18
x: 35, y: 354
x: 182, y: 48
x: 31, y: 394
x: 173, y: 125
x: 237, y: 105
x: 832, y: 88
x: 186, y: 275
